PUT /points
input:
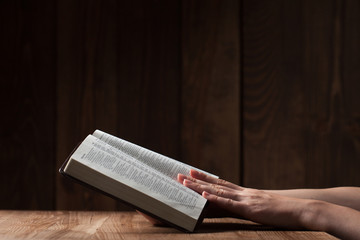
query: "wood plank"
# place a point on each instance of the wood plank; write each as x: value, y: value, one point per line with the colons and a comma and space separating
x: 274, y: 96
x: 149, y: 74
x: 322, y: 76
x: 299, y: 104
x: 27, y: 103
x: 118, y: 71
x: 129, y: 225
x: 348, y: 150
x: 211, y: 86
x: 86, y: 89
x: 333, y: 148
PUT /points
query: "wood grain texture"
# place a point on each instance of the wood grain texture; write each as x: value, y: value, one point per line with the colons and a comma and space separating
x: 125, y: 225
x: 211, y: 86
x: 119, y: 72
x: 273, y: 94
x: 149, y: 74
x: 86, y: 89
x: 349, y: 64
x: 299, y: 97
x: 27, y: 103
x: 168, y: 75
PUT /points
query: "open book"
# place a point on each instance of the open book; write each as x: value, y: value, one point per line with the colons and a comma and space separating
x: 137, y: 176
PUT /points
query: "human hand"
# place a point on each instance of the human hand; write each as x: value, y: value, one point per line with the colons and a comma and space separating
x: 228, y: 199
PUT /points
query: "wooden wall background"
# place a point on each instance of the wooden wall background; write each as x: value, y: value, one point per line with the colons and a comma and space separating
x: 262, y: 93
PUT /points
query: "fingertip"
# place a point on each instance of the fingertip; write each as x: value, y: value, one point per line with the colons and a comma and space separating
x: 180, y: 177
x: 194, y: 173
x: 186, y: 182
x: 205, y: 194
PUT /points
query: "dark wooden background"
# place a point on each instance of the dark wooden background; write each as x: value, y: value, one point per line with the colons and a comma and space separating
x: 262, y: 93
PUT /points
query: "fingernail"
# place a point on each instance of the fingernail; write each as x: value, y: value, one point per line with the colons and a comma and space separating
x: 186, y: 182
x: 205, y: 194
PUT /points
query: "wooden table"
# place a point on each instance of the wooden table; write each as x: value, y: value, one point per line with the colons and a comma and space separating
x: 129, y: 225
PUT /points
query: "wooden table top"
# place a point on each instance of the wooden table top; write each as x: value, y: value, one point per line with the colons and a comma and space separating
x: 130, y: 225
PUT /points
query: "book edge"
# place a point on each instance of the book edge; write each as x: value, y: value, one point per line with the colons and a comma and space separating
x: 63, y: 173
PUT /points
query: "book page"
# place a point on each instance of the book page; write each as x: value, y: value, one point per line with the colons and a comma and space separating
x: 163, y: 164
x: 111, y: 162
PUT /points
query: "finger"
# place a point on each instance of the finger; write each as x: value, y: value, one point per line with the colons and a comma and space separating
x: 182, y: 177
x: 227, y: 204
x: 199, y: 188
x: 206, y: 178
x: 211, y: 188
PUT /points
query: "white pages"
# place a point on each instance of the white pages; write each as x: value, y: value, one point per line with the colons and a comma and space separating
x: 128, y: 178
x: 163, y: 164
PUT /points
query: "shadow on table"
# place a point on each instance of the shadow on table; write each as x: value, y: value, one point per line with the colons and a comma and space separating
x: 227, y: 227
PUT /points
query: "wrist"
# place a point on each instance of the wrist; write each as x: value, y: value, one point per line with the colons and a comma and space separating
x: 314, y: 215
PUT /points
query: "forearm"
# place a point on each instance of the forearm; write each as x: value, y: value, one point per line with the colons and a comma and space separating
x: 287, y: 208
x: 344, y: 196
x: 342, y: 222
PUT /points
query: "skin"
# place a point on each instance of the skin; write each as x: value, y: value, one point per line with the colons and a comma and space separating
x: 333, y: 210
